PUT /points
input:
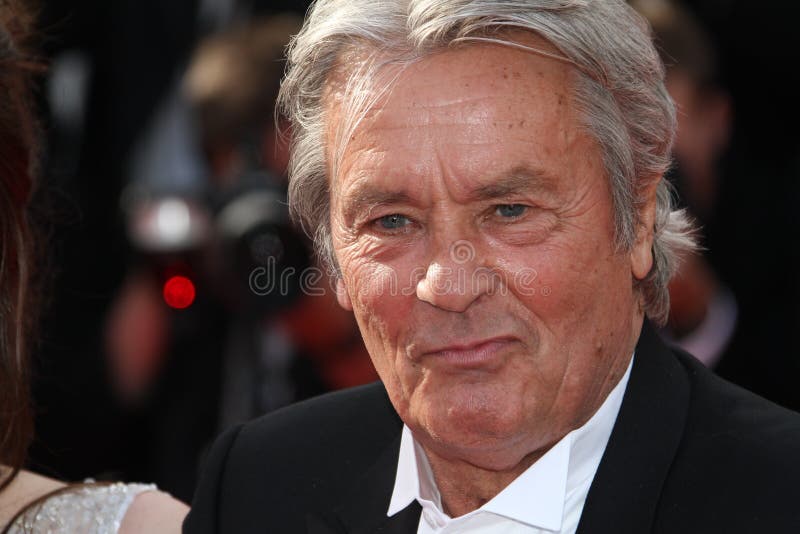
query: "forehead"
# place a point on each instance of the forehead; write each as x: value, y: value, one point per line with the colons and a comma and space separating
x: 470, y: 107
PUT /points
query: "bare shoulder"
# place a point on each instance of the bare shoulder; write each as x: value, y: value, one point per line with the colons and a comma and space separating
x: 154, y: 511
x: 26, y: 488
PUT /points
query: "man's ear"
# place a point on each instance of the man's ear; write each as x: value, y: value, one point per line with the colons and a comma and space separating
x: 342, y: 296
x: 642, y: 250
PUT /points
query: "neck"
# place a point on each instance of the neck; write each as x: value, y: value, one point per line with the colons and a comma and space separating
x: 465, y: 487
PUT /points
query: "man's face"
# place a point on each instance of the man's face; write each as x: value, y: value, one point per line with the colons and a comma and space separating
x: 473, y: 225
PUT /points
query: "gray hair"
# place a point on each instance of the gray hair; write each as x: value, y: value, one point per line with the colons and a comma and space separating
x: 619, y: 91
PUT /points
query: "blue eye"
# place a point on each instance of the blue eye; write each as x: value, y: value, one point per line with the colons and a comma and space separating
x: 394, y: 221
x: 510, y: 210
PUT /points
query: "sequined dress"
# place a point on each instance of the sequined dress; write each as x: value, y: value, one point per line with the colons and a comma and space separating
x: 87, y: 509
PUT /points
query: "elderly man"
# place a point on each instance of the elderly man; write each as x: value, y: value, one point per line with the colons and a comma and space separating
x: 484, y: 178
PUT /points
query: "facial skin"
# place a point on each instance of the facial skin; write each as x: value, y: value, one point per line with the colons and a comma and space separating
x: 475, y: 168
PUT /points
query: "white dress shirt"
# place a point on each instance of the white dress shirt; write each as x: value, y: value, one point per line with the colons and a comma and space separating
x: 547, y: 498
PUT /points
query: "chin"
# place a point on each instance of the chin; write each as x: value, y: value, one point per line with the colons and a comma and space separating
x: 478, y: 449
x: 489, y: 435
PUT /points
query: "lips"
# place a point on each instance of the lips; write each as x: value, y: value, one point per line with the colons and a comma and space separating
x: 471, y: 355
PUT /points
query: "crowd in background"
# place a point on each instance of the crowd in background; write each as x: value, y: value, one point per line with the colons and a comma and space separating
x: 163, y: 164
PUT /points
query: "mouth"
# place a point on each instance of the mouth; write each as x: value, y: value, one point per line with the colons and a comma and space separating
x: 472, y: 355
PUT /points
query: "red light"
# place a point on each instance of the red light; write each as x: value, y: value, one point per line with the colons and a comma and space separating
x: 179, y: 292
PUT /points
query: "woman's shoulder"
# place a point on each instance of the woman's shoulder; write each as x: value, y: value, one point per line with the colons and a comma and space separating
x: 154, y: 511
x: 51, y: 506
x: 26, y: 488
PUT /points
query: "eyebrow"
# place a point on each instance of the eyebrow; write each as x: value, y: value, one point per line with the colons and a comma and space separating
x: 368, y: 197
x: 518, y: 180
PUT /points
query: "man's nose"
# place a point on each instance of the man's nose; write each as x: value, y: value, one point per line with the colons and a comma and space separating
x: 450, y: 282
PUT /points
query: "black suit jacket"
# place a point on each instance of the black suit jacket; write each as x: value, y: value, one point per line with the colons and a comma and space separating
x: 689, y: 453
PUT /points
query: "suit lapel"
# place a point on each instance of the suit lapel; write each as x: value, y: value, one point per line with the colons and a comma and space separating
x: 363, y: 510
x: 625, y: 492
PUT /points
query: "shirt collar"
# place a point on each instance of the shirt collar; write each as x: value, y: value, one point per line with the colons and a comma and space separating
x: 537, y: 497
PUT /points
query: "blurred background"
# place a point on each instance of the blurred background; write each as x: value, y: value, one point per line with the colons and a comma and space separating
x: 163, y: 190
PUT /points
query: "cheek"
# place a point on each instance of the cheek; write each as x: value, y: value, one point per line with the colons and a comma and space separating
x: 561, y: 283
x: 383, y: 306
x: 377, y: 294
x: 377, y: 285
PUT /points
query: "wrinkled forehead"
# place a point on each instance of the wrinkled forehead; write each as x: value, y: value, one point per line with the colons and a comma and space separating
x: 365, y: 77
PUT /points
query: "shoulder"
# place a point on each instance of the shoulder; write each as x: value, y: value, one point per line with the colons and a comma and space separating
x: 125, y: 508
x: 300, y: 458
x: 26, y: 488
x: 710, y: 412
x: 349, y: 427
x: 737, y: 463
x: 153, y: 511
x: 722, y: 411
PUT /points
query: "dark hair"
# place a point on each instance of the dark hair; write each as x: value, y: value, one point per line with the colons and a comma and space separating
x: 18, y: 143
